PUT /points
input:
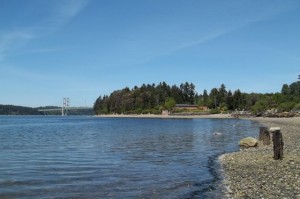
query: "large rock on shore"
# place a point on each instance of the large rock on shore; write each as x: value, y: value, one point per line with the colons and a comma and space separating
x: 248, y: 142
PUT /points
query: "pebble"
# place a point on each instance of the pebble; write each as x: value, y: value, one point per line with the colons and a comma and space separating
x: 254, y: 173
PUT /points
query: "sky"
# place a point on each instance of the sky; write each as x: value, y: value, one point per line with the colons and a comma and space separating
x: 82, y: 49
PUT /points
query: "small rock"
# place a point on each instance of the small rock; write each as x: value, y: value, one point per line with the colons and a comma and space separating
x: 217, y: 133
x: 248, y: 142
x: 229, y: 190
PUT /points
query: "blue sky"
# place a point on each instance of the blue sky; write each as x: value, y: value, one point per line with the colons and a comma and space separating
x: 81, y: 49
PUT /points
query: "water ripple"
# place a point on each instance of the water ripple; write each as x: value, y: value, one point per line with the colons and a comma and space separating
x: 85, y: 157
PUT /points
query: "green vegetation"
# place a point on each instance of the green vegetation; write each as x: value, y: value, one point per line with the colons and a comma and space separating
x: 155, y: 98
x: 18, y: 110
x: 21, y: 110
x: 146, y: 99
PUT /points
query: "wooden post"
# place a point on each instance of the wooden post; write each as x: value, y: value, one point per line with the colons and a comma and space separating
x: 264, y: 135
x: 277, y: 143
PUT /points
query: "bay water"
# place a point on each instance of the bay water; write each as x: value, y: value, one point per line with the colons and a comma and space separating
x: 91, y: 157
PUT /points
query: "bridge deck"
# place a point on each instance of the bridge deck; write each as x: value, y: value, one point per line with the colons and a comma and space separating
x: 69, y: 108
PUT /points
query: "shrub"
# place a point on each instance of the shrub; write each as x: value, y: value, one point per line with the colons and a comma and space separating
x: 215, y: 111
x: 297, y: 106
x: 286, y: 106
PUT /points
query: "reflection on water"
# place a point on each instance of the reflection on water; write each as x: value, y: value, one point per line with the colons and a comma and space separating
x: 86, y: 157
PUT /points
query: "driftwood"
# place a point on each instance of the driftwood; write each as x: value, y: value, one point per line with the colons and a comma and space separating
x: 264, y: 135
x: 277, y: 144
x: 241, y: 114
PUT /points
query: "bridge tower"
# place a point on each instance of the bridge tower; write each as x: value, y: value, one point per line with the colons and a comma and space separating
x: 65, y: 106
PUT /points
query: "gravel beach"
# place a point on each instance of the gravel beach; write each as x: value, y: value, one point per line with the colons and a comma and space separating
x: 252, y: 173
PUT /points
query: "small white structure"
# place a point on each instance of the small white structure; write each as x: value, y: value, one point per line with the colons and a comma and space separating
x: 165, y: 112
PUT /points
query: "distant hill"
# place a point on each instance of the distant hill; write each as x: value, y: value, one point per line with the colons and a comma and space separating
x: 21, y: 110
x: 18, y: 110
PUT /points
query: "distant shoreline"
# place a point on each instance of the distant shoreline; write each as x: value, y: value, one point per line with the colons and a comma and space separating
x: 210, y: 116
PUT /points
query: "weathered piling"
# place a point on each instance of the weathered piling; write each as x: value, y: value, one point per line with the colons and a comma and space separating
x: 264, y: 135
x: 277, y: 143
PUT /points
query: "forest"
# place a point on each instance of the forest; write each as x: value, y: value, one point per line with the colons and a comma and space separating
x: 18, y: 110
x: 21, y: 110
x: 152, y: 99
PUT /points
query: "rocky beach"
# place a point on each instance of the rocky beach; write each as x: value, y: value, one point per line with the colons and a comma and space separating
x: 253, y: 173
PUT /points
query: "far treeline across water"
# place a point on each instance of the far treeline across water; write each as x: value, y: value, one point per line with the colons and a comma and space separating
x: 21, y: 110
x: 153, y: 99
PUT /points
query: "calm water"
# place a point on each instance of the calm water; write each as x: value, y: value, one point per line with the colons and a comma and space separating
x: 87, y: 157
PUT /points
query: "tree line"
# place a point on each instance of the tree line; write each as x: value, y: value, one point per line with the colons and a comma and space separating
x: 148, y: 98
x: 21, y: 110
x: 153, y: 98
x: 18, y: 110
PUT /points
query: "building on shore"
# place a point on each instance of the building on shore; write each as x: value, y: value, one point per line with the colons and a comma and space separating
x: 185, y: 107
x: 190, y: 107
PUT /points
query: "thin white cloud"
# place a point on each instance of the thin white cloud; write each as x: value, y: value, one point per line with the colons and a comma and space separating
x: 16, y: 72
x: 10, y: 41
x: 45, y: 50
x: 203, y: 40
x: 60, y: 13
x: 69, y: 9
x: 237, y: 21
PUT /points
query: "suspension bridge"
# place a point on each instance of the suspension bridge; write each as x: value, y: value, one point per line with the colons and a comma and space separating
x: 65, y: 108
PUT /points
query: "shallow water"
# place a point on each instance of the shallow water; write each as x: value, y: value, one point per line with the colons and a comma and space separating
x: 88, y: 157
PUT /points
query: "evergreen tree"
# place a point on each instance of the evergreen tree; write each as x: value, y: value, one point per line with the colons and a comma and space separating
x: 152, y: 99
x: 176, y: 94
x: 205, y: 98
x: 229, y: 100
x: 213, y: 98
x: 188, y: 92
x: 237, y: 100
x: 222, y: 94
x: 285, y: 89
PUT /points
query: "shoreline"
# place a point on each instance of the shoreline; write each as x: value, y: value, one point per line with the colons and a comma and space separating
x: 210, y: 116
x: 253, y: 173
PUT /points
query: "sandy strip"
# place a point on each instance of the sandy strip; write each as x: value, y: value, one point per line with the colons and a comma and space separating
x: 212, y: 116
x: 253, y: 173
